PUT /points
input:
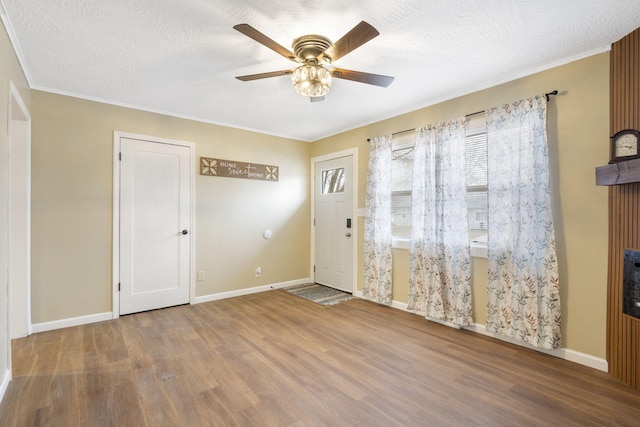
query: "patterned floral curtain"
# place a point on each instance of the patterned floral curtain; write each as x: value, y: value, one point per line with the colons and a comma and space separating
x: 439, y: 254
x: 523, y: 291
x: 378, y: 261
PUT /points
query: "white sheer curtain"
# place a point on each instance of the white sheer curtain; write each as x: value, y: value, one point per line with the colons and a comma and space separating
x: 378, y: 261
x: 523, y: 291
x: 439, y: 254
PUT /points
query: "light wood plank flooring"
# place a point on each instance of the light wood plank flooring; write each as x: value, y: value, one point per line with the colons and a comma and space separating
x: 273, y: 359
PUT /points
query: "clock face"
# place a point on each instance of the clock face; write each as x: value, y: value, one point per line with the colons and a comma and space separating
x: 626, y: 145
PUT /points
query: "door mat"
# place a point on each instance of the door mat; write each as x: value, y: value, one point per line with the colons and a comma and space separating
x: 319, y: 294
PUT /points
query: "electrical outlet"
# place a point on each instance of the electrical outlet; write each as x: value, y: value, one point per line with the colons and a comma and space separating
x: 258, y: 271
x: 200, y: 276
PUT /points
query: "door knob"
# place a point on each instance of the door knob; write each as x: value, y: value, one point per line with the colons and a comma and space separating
x: 184, y: 232
x: 347, y: 234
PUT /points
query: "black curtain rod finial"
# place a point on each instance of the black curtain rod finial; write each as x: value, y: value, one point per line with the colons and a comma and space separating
x: 552, y: 93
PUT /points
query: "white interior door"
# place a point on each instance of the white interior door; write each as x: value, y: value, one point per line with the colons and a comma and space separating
x: 155, y: 204
x: 333, y: 223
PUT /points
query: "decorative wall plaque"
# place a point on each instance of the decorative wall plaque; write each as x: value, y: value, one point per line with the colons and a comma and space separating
x: 233, y: 169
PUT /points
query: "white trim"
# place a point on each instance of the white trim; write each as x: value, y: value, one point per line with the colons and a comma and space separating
x: 584, y: 359
x: 101, y: 317
x: 168, y: 113
x: 561, y: 353
x: 248, y: 291
x: 16, y: 94
x: 478, y: 250
x: 115, y: 272
x: 115, y: 238
x: 6, y: 379
x: 16, y: 101
x: 506, y: 78
x: 353, y: 152
x: 14, y: 42
x: 72, y: 321
x: 400, y: 243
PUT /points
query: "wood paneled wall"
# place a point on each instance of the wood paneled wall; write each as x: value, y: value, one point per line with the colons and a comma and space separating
x: 623, y: 332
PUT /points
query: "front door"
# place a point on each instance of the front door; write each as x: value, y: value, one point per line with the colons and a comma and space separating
x: 334, y: 223
x: 155, y: 204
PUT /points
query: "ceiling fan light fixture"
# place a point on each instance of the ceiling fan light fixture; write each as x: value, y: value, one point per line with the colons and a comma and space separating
x: 311, y: 80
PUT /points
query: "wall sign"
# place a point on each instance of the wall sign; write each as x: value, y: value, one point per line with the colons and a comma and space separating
x: 233, y: 169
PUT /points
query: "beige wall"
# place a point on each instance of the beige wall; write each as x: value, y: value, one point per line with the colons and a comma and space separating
x: 10, y: 71
x: 578, y: 131
x: 72, y: 175
x: 72, y: 180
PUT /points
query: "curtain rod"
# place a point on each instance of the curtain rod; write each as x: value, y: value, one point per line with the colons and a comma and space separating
x: 547, y: 95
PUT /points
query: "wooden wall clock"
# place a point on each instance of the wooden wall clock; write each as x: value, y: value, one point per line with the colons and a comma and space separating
x: 625, y: 145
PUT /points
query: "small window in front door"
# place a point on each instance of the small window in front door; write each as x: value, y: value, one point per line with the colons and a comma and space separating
x: 333, y: 181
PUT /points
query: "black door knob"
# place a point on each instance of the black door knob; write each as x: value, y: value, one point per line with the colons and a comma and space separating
x: 185, y: 232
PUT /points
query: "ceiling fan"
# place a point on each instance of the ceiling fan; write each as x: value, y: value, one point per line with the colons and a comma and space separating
x: 314, y: 53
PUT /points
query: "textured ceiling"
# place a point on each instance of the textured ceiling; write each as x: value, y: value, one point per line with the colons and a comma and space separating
x: 180, y: 57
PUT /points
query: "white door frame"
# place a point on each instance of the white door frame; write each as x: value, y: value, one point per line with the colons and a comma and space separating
x: 117, y: 135
x: 19, y: 136
x: 353, y: 152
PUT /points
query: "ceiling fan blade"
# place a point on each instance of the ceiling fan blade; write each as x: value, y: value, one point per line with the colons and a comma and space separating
x: 359, y: 76
x: 251, y: 32
x: 259, y: 76
x: 359, y: 35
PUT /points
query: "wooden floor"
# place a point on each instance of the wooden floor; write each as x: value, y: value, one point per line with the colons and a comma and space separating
x: 273, y: 359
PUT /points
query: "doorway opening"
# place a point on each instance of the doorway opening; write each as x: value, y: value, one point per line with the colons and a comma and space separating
x: 19, y: 215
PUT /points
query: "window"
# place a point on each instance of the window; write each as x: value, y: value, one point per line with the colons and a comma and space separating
x: 477, y: 196
x: 333, y: 181
x: 401, y: 171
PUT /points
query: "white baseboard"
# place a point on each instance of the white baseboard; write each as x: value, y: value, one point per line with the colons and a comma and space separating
x: 394, y: 304
x: 562, y: 353
x: 585, y: 359
x: 400, y: 305
x: 73, y: 321
x: 100, y: 317
x: 6, y: 379
x: 248, y: 291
